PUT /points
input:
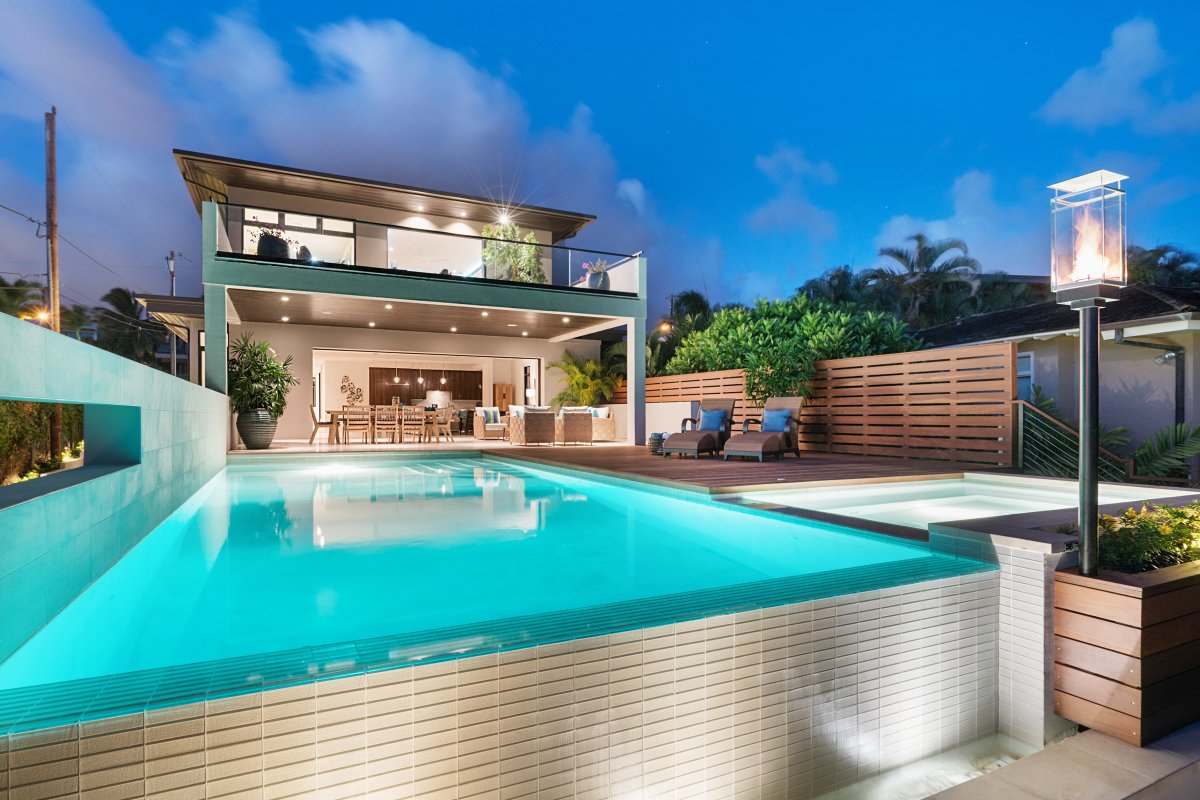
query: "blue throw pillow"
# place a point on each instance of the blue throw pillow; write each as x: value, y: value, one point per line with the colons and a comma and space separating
x: 712, y: 420
x: 776, y: 420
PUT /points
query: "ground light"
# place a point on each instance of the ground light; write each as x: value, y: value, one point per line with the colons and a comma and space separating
x: 1087, y: 270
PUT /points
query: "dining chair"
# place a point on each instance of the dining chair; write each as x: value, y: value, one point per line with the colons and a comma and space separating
x: 357, y: 418
x: 445, y: 421
x: 317, y: 425
x: 412, y: 421
x: 387, y: 422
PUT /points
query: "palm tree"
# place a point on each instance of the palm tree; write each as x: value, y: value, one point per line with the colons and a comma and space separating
x: 72, y: 320
x: 588, y: 381
x: 1165, y: 265
x: 928, y: 274
x: 839, y: 286
x: 21, y: 298
x: 123, y: 331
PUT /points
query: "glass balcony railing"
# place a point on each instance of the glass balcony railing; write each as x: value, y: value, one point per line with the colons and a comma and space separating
x: 330, y: 242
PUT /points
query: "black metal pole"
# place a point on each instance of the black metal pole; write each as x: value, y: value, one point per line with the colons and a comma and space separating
x: 1089, y: 434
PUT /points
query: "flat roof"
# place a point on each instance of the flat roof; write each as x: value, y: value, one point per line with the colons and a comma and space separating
x: 209, y: 177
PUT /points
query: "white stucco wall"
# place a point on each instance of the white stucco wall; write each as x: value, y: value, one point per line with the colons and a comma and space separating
x: 299, y: 341
x: 1135, y: 391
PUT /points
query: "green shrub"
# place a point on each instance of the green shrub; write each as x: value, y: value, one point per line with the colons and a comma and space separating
x: 777, y: 341
x: 1152, y: 538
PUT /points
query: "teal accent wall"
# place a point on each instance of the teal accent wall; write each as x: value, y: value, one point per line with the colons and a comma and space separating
x: 150, y: 442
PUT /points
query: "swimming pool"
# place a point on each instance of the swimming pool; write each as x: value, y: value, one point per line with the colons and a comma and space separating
x: 305, y: 568
x: 918, y: 503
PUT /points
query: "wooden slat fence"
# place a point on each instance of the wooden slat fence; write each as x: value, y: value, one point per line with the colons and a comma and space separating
x: 950, y: 403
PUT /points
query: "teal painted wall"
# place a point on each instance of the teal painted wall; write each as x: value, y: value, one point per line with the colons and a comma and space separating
x: 53, y: 545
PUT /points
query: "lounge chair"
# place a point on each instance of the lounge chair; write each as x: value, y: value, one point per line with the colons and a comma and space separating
x: 779, y: 437
x: 709, y: 432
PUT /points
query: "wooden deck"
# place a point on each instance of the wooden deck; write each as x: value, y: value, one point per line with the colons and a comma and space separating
x: 716, y: 476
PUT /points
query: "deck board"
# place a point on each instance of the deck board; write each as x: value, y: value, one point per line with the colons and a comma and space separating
x: 719, y: 476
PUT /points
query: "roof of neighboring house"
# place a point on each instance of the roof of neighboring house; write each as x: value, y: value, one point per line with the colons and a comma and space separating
x: 1137, y: 303
x: 174, y: 312
x: 208, y: 177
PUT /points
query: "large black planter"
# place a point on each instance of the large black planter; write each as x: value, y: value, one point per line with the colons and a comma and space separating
x: 598, y: 280
x: 257, y: 428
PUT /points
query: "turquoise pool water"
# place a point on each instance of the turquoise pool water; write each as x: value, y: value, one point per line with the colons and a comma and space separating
x: 294, y: 569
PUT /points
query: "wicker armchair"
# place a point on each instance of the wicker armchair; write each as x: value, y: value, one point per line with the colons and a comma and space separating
x: 488, y: 430
x: 533, y: 427
x: 574, y: 427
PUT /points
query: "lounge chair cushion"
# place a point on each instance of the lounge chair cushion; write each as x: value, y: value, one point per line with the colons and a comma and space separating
x: 712, y: 420
x: 691, y: 442
x: 755, y: 443
x: 776, y: 420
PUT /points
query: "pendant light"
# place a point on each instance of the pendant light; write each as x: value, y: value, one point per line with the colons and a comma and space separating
x: 443, y: 374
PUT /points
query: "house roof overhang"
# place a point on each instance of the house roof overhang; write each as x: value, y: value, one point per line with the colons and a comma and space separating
x: 209, y: 178
x: 174, y: 312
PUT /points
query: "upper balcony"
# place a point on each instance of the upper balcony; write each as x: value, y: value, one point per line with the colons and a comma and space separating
x: 303, y: 239
x: 275, y: 227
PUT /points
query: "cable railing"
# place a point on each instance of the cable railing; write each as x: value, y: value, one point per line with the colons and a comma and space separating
x: 1049, y: 447
x: 454, y: 251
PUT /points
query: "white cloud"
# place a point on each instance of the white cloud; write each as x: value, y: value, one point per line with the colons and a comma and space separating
x: 1011, y: 239
x: 385, y: 102
x: 1121, y: 87
x: 790, y: 210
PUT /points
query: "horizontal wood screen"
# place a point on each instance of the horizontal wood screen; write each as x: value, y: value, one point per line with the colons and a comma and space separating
x: 950, y: 403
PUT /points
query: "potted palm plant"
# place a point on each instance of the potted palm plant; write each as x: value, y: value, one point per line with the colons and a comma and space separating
x: 258, y: 387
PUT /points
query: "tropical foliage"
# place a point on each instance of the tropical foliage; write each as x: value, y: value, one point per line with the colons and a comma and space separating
x: 507, y: 256
x: 257, y: 379
x: 25, y: 438
x: 1152, y: 538
x: 777, y: 342
x: 124, y: 330
x: 21, y: 298
x: 1165, y: 265
x: 1166, y: 453
x: 587, y: 382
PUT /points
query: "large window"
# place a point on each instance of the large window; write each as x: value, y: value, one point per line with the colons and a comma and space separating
x: 303, y: 237
x: 419, y: 251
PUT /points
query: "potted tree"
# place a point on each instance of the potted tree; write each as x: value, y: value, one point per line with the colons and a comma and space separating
x: 258, y: 387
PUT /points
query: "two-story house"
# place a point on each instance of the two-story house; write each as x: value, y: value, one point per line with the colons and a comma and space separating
x: 378, y: 290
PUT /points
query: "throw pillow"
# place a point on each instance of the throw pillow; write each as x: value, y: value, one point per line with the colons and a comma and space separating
x: 712, y: 420
x: 776, y: 420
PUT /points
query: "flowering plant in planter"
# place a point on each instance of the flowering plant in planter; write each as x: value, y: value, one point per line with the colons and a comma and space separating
x: 1151, y: 538
x: 597, y: 273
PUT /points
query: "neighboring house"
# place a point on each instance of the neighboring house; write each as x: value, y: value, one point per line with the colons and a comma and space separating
x: 379, y: 290
x: 1138, y: 383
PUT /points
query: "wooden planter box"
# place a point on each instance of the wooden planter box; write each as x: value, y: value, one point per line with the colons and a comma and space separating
x: 1127, y: 651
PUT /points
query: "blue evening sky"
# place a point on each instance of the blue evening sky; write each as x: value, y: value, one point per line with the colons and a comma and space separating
x: 745, y: 147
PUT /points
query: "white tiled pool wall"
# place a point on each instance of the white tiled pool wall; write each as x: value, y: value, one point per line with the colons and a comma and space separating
x: 787, y: 702
x: 1026, y: 628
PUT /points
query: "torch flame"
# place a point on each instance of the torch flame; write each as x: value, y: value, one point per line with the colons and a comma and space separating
x: 1090, y: 262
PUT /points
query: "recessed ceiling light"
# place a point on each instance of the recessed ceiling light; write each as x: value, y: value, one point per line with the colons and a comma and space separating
x: 284, y: 299
x: 483, y: 313
x: 283, y: 319
x: 326, y: 313
x: 388, y: 306
x: 420, y: 208
x: 524, y: 333
x: 512, y: 325
x: 454, y: 330
x: 462, y: 213
x: 566, y: 320
x: 370, y: 324
x: 505, y: 218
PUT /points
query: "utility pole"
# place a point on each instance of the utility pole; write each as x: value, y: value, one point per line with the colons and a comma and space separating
x: 52, y: 263
x: 174, y: 344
